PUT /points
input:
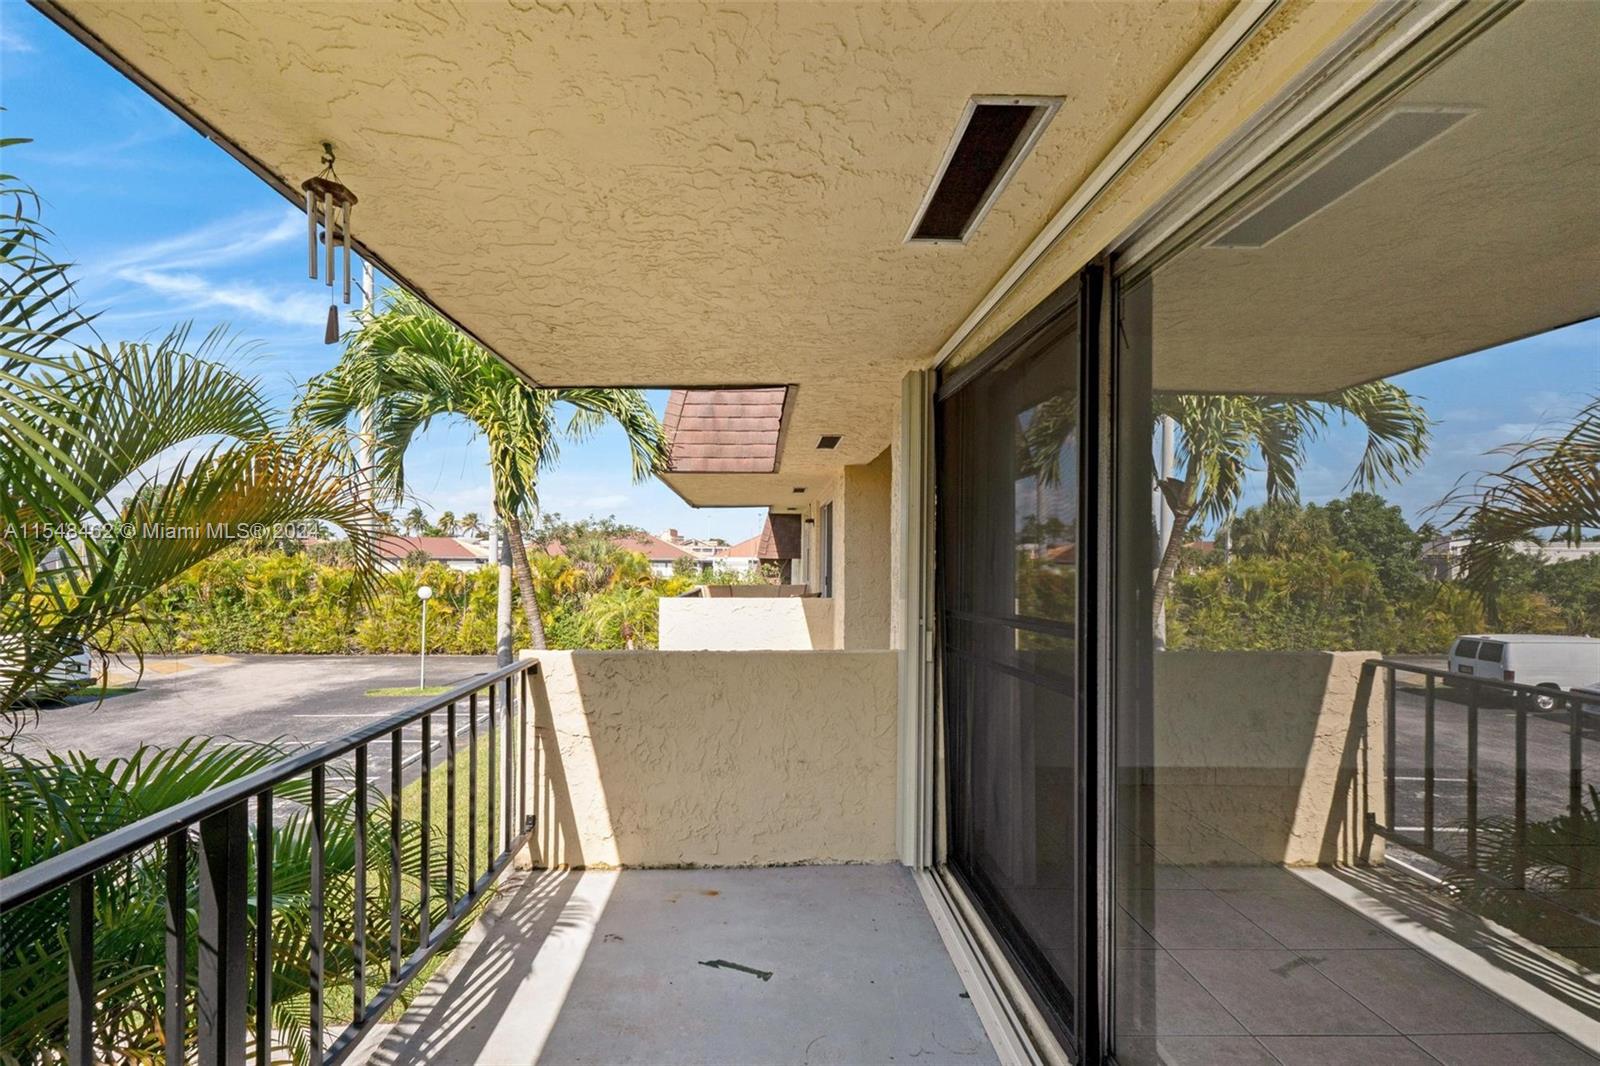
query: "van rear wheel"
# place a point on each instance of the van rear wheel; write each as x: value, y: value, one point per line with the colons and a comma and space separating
x: 1545, y: 701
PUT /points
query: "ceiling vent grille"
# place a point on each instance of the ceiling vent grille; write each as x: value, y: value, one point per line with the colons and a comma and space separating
x: 1394, y: 137
x: 993, y: 137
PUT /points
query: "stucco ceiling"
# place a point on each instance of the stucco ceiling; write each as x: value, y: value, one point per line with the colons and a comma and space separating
x: 1488, y: 233
x: 670, y: 194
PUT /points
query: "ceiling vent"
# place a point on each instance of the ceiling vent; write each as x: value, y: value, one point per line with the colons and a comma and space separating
x: 993, y: 137
x: 1356, y: 162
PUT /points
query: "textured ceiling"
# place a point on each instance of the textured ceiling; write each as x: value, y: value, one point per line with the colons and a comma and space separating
x: 1489, y: 233
x: 671, y: 194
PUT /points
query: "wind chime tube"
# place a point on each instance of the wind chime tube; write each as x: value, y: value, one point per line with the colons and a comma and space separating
x: 347, y: 253
x: 327, y: 234
x: 311, y: 233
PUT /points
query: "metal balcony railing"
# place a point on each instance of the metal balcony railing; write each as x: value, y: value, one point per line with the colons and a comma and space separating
x: 1466, y: 698
x: 227, y: 1001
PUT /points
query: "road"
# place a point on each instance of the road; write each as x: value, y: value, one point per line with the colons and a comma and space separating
x: 1548, y: 760
x: 288, y: 699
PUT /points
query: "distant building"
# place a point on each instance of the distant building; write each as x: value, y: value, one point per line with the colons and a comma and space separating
x: 663, y: 555
x: 394, y: 550
x: 1441, y: 557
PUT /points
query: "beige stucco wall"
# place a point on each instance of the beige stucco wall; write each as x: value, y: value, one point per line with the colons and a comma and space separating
x: 746, y: 624
x: 862, y: 545
x: 673, y: 758
x: 1266, y: 756
x: 1294, y: 36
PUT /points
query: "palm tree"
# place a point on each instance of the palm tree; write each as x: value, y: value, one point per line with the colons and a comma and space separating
x: 54, y: 804
x: 624, y: 610
x: 94, y: 514
x: 471, y: 524
x: 1551, y: 484
x: 410, y: 365
x: 1219, y: 433
x: 448, y: 526
x: 415, y: 522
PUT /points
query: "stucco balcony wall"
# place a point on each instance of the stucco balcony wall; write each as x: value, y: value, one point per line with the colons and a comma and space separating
x: 713, y: 758
x: 737, y: 623
x: 1272, y: 757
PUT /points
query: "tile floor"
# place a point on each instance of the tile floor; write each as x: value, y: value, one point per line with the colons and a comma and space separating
x: 1249, y: 964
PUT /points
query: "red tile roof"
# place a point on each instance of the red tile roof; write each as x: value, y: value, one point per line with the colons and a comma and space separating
x: 394, y: 546
x: 745, y: 549
x: 780, y: 537
x: 651, y: 547
x: 724, y: 431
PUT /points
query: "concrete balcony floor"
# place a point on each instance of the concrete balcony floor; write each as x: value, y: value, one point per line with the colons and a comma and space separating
x: 1263, y: 965
x: 610, y: 967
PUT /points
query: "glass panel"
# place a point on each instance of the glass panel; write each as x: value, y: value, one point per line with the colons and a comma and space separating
x: 1008, y: 542
x: 1354, y: 443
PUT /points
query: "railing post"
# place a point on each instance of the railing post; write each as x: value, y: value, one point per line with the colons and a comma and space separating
x: 176, y: 1020
x: 1520, y: 873
x: 1472, y: 774
x: 1575, y: 871
x: 1427, y: 763
x: 1390, y: 679
x: 508, y: 767
x: 223, y: 963
x: 492, y: 765
x: 396, y: 755
x: 450, y: 809
x: 522, y: 758
x: 425, y: 872
x: 358, y: 932
x: 264, y: 928
x: 319, y: 899
x: 472, y: 795
x: 80, y: 971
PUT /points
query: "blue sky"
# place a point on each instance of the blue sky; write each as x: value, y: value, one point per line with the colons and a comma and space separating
x: 167, y: 228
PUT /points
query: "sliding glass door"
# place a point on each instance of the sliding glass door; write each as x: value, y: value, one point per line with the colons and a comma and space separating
x: 1009, y: 545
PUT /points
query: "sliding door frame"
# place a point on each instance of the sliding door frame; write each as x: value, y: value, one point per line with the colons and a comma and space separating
x: 1088, y: 298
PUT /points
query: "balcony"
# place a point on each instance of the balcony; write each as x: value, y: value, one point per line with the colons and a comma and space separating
x: 690, y: 857
x: 795, y: 964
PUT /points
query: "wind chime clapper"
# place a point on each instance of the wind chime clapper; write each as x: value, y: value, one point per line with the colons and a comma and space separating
x: 331, y: 201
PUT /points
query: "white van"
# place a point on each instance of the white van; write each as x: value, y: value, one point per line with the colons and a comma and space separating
x: 1528, y: 659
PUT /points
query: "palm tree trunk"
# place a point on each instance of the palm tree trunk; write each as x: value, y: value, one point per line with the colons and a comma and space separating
x: 1182, y: 511
x: 524, y: 575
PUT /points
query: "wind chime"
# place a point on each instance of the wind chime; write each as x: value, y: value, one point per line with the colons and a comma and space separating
x: 330, y: 200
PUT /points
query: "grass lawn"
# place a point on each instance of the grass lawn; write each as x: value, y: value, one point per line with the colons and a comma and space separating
x: 338, y: 999
x: 409, y: 690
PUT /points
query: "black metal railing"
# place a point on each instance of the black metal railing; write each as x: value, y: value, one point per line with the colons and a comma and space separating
x: 1457, y: 702
x: 230, y: 1021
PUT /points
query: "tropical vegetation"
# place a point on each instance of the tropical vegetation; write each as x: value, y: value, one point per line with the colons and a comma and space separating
x: 1220, y: 434
x: 49, y: 805
x: 1350, y: 575
x: 122, y: 466
x: 407, y: 365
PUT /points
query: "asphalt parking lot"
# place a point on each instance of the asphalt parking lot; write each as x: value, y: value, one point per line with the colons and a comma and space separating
x: 286, y: 699
x: 1548, y: 759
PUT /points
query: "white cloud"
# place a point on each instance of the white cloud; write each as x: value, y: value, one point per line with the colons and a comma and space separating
x: 300, y: 308
x: 228, y: 240
x: 12, y: 41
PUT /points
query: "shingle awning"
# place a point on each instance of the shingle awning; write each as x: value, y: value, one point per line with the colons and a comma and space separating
x: 725, y: 431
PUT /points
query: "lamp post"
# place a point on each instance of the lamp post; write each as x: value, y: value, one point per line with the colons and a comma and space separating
x: 424, y: 593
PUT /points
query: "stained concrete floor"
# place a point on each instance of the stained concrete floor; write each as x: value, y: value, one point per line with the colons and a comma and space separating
x: 811, y: 965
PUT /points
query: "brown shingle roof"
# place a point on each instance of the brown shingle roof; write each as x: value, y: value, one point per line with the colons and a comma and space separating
x: 651, y: 547
x: 393, y: 546
x: 780, y: 537
x: 724, y: 430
